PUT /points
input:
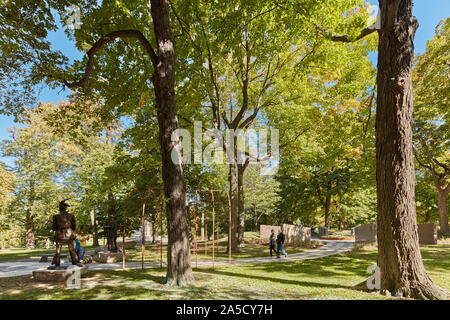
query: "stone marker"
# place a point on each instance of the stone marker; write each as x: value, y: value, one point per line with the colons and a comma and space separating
x: 291, y: 232
x: 366, y: 233
x: 264, y: 231
x: 427, y: 233
x: 129, y: 244
x: 57, y: 275
x: 323, y: 231
x: 108, y: 257
x: 295, y: 234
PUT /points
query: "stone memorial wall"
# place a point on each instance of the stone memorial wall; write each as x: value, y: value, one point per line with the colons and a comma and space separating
x: 292, y: 232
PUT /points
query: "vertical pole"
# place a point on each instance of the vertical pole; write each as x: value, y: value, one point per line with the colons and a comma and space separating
x: 143, y: 233
x: 229, y: 227
x: 161, y: 230
x: 206, y: 225
x: 219, y: 199
x: 213, y: 226
x: 123, y: 230
x: 155, y: 207
x: 195, y: 219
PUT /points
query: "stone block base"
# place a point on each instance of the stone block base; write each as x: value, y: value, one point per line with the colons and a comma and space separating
x: 57, y: 275
x: 108, y: 257
x: 129, y: 244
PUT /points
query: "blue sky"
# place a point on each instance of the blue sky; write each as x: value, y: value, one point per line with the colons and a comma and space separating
x: 428, y: 12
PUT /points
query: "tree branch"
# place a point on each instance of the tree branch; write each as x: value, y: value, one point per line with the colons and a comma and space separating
x: 104, y: 41
x: 345, y: 38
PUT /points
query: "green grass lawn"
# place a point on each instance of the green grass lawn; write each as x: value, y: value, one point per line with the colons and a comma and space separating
x: 326, y: 278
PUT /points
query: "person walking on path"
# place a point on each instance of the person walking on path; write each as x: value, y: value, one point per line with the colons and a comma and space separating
x: 83, y: 240
x: 273, y: 242
x: 280, y: 243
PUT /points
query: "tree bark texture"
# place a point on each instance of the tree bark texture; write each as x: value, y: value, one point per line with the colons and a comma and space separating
x: 399, y: 258
x: 179, y: 271
x: 241, y: 203
x: 442, y: 209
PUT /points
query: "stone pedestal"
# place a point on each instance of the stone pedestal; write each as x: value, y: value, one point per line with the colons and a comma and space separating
x: 108, y: 257
x: 129, y: 244
x: 427, y: 233
x: 57, y: 275
x: 366, y: 233
x: 323, y: 231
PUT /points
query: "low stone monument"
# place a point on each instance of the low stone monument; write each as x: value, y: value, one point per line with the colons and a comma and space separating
x: 129, y: 244
x: 291, y: 232
x: 323, y: 231
x: 265, y: 230
x: 427, y: 233
x: 295, y: 233
x: 366, y: 233
x: 108, y: 257
x: 57, y: 275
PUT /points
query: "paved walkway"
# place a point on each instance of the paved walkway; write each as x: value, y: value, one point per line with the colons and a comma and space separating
x: 25, y: 267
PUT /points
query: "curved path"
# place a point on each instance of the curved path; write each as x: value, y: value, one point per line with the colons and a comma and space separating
x: 25, y: 267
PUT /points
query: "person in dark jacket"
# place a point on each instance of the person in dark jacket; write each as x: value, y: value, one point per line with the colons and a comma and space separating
x: 280, y: 243
x: 273, y: 242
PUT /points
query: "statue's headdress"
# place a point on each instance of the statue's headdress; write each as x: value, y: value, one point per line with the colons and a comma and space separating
x: 63, y: 205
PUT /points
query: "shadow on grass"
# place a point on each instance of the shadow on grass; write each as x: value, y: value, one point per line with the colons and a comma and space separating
x: 279, y: 280
x: 128, y: 284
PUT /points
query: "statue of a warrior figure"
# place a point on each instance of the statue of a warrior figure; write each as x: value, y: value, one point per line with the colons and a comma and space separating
x: 64, y: 226
x: 111, y: 231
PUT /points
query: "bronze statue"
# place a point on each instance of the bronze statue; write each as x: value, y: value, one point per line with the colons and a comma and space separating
x: 64, y: 226
x: 111, y: 231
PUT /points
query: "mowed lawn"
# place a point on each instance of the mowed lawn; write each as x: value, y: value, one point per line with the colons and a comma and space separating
x: 325, y: 278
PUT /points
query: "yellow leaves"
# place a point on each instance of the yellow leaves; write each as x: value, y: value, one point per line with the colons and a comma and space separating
x: 86, y: 46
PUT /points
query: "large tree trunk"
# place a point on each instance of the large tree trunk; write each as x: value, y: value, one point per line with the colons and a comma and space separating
x: 442, y: 208
x: 241, y: 202
x: 232, y: 178
x: 203, y: 225
x: 179, y: 271
x: 327, y: 205
x: 29, y: 238
x: 94, y: 228
x: 399, y: 258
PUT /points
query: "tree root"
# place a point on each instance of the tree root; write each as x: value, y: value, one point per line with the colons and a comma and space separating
x: 180, y: 281
x: 421, y: 291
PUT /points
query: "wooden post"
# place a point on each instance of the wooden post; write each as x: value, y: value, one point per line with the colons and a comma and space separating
x: 229, y: 227
x: 206, y: 225
x: 213, y: 226
x: 161, y: 230
x: 155, y: 207
x: 123, y: 230
x: 143, y: 233
x: 219, y: 199
x: 195, y: 236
